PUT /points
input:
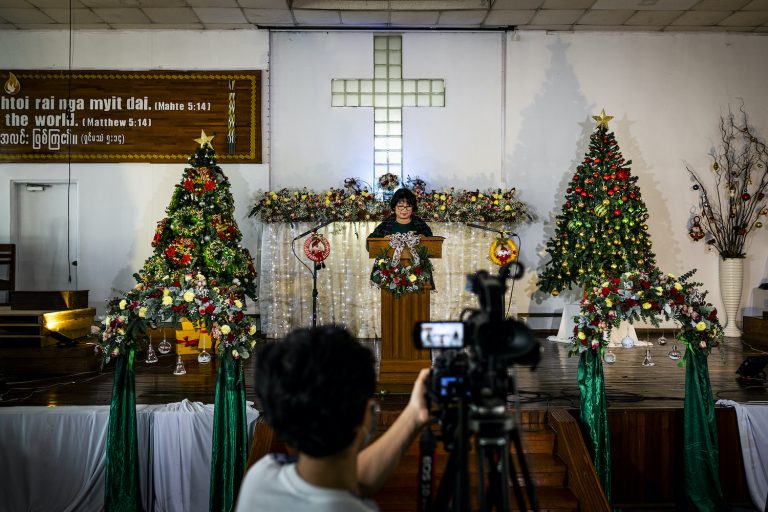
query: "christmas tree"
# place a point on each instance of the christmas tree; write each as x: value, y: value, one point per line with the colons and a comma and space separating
x: 601, y: 231
x: 199, y: 234
x: 198, y: 271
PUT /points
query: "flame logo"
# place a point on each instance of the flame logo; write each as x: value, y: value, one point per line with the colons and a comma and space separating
x: 12, y: 85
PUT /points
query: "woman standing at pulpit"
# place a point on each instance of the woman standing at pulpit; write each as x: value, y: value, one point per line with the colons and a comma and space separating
x: 402, y: 220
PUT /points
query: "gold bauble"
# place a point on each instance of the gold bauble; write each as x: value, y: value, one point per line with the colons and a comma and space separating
x: 758, y: 224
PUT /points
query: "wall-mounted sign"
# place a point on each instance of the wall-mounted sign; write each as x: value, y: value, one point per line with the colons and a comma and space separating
x: 128, y: 116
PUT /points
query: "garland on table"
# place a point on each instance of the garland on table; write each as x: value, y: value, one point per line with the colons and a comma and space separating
x: 219, y: 308
x: 648, y: 295
x: 391, y: 275
x: 351, y: 203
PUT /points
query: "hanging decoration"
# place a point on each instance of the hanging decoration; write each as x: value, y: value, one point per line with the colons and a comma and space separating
x: 695, y: 231
x: 317, y: 247
x: 502, y: 251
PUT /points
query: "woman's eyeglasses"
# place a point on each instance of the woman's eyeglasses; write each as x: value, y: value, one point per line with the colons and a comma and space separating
x: 404, y: 207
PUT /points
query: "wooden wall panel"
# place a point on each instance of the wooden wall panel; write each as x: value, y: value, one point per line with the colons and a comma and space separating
x: 128, y: 116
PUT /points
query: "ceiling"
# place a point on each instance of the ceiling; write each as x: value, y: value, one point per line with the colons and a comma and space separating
x: 551, y: 15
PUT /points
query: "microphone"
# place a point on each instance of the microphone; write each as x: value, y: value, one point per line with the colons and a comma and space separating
x: 314, y: 229
x: 486, y: 228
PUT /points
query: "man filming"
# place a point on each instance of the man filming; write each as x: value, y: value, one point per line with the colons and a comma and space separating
x: 316, y: 390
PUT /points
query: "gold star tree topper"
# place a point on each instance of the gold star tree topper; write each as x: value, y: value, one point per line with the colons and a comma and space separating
x: 204, y: 139
x: 602, y: 119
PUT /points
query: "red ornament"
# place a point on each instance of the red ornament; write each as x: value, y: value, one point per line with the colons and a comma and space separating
x: 583, y: 194
x: 610, y: 192
x: 594, y: 174
x: 745, y: 196
x: 622, y: 174
x: 606, y: 177
x: 616, y: 213
x: 317, y: 247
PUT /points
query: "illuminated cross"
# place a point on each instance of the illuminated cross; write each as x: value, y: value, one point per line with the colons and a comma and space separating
x: 387, y: 93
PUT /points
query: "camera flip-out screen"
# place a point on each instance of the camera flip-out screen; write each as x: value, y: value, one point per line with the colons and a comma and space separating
x: 439, y: 335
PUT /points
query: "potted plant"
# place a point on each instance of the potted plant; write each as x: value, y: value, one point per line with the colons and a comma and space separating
x: 732, y: 202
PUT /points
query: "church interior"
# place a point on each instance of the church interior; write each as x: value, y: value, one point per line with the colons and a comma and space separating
x: 187, y: 181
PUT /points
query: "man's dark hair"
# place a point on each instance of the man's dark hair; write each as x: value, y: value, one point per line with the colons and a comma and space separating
x: 314, y: 387
x: 404, y: 194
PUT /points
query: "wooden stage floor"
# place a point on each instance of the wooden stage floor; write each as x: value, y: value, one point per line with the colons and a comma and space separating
x: 55, y: 376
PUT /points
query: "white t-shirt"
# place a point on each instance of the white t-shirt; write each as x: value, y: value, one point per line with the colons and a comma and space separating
x: 273, y: 486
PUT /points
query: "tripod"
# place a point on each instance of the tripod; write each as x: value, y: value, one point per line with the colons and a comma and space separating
x: 493, y: 430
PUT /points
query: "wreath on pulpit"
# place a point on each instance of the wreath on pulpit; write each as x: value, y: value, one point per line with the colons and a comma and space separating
x: 391, y: 275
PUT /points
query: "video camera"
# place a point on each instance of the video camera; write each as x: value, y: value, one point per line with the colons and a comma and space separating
x: 477, y: 352
x: 470, y: 382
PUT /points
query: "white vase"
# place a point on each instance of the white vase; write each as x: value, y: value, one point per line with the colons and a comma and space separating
x: 731, y: 278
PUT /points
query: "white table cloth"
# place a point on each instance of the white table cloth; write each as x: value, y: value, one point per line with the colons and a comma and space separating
x: 54, y: 458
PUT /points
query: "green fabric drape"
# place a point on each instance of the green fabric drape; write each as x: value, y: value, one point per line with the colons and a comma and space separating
x: 122, y: 479
x: 701, y: 449
x: 594, y: 414
x: 230, y: 437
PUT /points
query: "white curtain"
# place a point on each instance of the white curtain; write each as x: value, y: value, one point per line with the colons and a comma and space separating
x: 54, y: 458
x: 345, y: 293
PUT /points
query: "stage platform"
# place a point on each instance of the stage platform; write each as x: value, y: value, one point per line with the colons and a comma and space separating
x: 70, y: 376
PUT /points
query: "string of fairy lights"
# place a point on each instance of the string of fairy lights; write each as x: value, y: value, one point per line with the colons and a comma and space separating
x: 345, y: 294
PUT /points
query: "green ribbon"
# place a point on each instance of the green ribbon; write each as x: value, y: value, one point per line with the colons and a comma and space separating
x: 122, y: 479
x: 594, y: 415
x: 701, y: 448
x: 230, y: 437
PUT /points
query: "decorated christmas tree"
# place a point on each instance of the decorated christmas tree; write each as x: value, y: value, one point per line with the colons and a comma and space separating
x: 199, y: 232
x: 601, y: 231
x: 201, y: 273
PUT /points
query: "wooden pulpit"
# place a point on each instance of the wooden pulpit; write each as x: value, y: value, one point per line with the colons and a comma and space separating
x: 400, y: 361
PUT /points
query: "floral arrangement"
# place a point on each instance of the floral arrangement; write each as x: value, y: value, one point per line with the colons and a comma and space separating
x: 650, y: 295
x: 349, y: 205
x: 219, y: 308
x: 731, y: 209
x: 402, y: 279
x: 389, y: 181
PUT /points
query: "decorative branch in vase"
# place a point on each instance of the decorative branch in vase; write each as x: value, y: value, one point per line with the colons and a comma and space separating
x: 731, y: 204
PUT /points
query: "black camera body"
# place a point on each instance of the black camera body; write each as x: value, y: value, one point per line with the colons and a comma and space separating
x: 472, y: 368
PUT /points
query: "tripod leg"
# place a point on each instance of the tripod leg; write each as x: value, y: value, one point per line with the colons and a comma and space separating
x: 497, y: 494
x: 515, y: 436
x: 442, y: 500
x: 512, y: 475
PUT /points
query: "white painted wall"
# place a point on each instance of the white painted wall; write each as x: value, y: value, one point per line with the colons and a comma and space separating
x: 121, y: 203
x: 517, y: 113
x: 317, y: 145
x: 666, y: 92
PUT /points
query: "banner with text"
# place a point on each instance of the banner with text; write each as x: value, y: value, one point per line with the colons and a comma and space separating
x: 128, y: 116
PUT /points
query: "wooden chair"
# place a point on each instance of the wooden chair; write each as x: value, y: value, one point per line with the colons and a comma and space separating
x: 264, y: 442
x: 8, y: 258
